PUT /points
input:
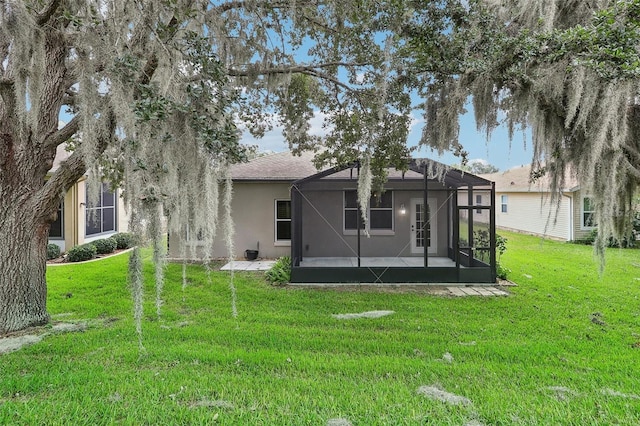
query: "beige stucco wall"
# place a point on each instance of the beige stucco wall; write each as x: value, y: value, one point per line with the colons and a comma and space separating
x: 253, y: 213
x: 535, y: 213
x: 74, y: 218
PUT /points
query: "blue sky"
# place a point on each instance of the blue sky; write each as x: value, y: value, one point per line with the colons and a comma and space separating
x: 497, y: 151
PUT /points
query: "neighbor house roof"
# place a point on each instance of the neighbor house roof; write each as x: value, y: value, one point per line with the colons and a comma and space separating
x: 61, y: 155
x: 517, y: 179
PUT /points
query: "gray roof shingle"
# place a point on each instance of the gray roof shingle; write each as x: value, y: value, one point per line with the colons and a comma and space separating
x: 281, y: 166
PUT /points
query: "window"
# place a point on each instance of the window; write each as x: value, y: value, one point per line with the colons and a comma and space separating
x: 283, y: 220
x: 380, y: 211
x: 101, y: 217
x: 503, y: 203
x: 588, y: 213
x: 478, y: 203
x: 56, y: 228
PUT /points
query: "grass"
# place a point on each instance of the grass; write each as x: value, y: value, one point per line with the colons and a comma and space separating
x: 562, y: 349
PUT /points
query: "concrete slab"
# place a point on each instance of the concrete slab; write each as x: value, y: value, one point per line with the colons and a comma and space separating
x: 248, y: 265
x: 457, y: 291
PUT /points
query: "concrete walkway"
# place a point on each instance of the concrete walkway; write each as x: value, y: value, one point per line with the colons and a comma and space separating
x: 437, y: 289
x: 248, y: 265
x: 476, y: 291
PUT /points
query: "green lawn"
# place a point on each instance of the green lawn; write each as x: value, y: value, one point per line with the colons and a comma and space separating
x: 564, y: 348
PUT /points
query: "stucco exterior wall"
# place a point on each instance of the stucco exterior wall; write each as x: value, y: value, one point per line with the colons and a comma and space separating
x: 74, y: 218
x: 534, y: 213
x: 253, y: 213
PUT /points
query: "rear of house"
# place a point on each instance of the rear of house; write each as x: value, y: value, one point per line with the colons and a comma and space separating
x: 417, y: 229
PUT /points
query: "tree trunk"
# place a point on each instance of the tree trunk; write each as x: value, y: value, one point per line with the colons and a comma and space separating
x: 23, y: 262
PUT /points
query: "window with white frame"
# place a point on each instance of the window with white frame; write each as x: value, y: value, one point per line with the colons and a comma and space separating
x: 380, y: 211
x: 283, y: 221
x: 588, y: 213
x: 503, y: 203
x: 478, y: 203
x: 56, y: 229
x: 101, y: 217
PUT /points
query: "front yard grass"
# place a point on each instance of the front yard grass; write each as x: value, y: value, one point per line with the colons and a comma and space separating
x: 562, y: 349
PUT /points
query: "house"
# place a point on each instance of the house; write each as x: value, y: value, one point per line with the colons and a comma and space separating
x: 78, y: 222
x: 532, y: 208
x: 283, y: 205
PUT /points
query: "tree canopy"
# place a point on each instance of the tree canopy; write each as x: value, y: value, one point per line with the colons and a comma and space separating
x: 568, y: 70
x: 155, y: 92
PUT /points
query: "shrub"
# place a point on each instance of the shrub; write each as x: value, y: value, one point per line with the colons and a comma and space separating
x: 280, y: 272
x: 589, y: 239
x: 124, y: 240
x: 53, y: 251
x: 105, y: 246
x: 82, y: 253
x: 626, y: 242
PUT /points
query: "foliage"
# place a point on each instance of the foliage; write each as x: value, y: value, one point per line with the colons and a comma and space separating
x: 104, y: 245
x: 481, y: 242
x: 53, y: 251
x: 628, y: 241
x: 477, y: 167
x: 280, y: 272
x: 81, y: 253
x: 124, y: 240
x: 156, y: 94
x: 285, y: 347
x: 566, y: 70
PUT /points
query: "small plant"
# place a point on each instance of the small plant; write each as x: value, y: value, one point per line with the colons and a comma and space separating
x: 82, y: 253
x: 124, y: 240
x: 280, y: 272
x: 105, y: 245
x: 501, y: 247
x: 53, y: 251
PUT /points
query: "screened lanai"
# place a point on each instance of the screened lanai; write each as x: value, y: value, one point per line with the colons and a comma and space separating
x: 423, y: 227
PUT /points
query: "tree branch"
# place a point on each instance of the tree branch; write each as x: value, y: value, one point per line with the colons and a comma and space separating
x: 301, y: 69
x: 70, y: 170
x: 61, y: 135
x: 43, y: 17
x: 239, y: 4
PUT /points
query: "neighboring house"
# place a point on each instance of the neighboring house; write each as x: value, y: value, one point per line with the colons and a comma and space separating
x: 78, y: 222
x: 531, y: 208
x: 283, y: 206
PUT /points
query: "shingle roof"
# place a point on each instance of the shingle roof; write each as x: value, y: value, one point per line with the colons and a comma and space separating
x: 276, y: 167
x: 517, y: 180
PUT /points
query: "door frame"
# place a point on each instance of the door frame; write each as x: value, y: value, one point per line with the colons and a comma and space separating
x: 433, y: 222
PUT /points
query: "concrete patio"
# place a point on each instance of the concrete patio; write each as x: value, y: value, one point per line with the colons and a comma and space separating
x: 248, y: 265
x: 392, y: 262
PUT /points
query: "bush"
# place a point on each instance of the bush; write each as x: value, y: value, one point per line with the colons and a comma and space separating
x: 589, y: 239
x: 82, y: 253
x: 626, y: 242
x: 105, y: 246
x: 280, y: 272
x: 53, y: 251
x: 124, y: 240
